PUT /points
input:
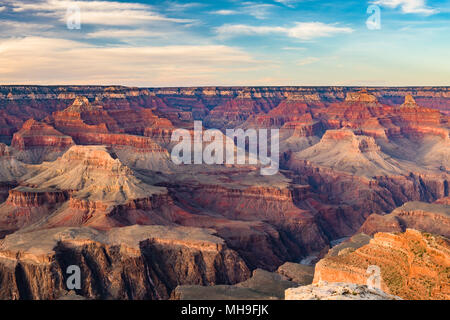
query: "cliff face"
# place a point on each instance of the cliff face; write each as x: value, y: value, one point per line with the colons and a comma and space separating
x: 431, y: 218
x: 36, y: 142
x: 126, y: 263
x: 87, y: 185
x: 413, y: 265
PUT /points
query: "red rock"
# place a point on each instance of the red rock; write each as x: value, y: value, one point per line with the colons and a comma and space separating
x: 432, y: 218
x: 413, y: 265
x: 36, y: 134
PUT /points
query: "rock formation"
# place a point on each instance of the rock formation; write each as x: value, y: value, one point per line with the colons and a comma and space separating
x: 262, y: 285
x: 124, y: 263
x: 336, y: 291
x: 426, y: 217
x: 413, y: 265
x: 37, y: 142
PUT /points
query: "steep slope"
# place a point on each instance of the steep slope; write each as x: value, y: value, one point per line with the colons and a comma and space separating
x: 10, y: 168
x: 426, y: 217
x: 37, y: 142
x: 10, y: 172
x: 84, y: 186
x: 342, y: 150
x: 263, y: 285
x: 413, y: 265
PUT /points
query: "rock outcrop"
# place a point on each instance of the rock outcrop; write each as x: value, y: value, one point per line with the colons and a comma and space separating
x: 88, y: 185
x: 337, y: 291
x: 37, y: 142
x: 124, y: 263
x: 413, y: 265
x: 427, y: 217
x: 263, y: 285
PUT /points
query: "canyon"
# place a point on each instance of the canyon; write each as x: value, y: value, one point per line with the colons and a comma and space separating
x: 363, y: 179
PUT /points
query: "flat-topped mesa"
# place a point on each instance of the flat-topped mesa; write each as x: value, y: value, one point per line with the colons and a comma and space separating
x: 36, y: 134
x: 28, y: 197
x: 95, y: 157
x: 338, y: 135
x: 97, y: 132
x: 360, y: 97
x: 128, y: 262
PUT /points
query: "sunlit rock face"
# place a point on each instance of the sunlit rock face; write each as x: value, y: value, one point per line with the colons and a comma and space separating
x: 413, y: 265
x: 337, y: 291
x: 95, y: 163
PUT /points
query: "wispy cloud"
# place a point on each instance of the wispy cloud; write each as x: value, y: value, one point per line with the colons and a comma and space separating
x: 59, y: 61
x: 307, y: 60
x: 12, y: 27
x: 301, y: 30
x: 294, y: 48
x: 125, y: 34
x: 2, y: 8
x: 225, y: 12
x: 257, y: 10
x: 172, y: 6
x: 288, y: 3
x: 96, y: 12
x: 407, y: 6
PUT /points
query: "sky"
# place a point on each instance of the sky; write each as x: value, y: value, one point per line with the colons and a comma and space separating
x: 225, y: 43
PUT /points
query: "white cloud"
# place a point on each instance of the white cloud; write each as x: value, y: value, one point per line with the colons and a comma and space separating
x: 307, y: 60
x: 407, y: 6
x: 257, y: 10
x: 57, y: 61
x: 125, y: 34
x: 225, y: 12
x: 10, y: 27
x: 311, y: 30
x: 294, y: 48
x: 301, y: 30
x: 287, y: 3
x: 180, y: 7
x: 231, y: 30
x: 2, y: 8
x: 96, y: 12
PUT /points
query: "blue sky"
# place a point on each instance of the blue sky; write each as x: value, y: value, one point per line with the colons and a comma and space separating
x: 227, y: 42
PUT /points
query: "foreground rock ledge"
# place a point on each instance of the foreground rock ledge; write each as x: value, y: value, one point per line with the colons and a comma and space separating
x: 137, y: 262
x: 336, y: 291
